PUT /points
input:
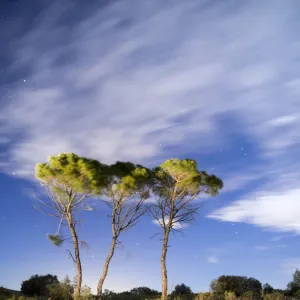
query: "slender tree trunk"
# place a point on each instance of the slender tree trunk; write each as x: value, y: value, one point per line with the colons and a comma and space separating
x: 164, y: 276
x: 105, y: 269
x: 77, y: 255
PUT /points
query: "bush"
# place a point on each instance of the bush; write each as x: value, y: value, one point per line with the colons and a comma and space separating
x: 230, y: 296
x: 86, y: 293
x: 274, y: 296
x: 249, y: 295
x: 297, y: 294
x: 205, y: 296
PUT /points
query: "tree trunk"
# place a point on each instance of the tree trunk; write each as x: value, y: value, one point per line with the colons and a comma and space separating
x: 164, y: 276
x: 105, y: 269
x: 77, y: 255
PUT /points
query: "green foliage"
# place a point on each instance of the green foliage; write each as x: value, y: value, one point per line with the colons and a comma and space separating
x: 267, y: 289
x: 294, y: 285
x: 126, y: 179
x: 69, y: 179
x: 181, y: 289
x: 55, y: 239
x: 4, y: 293
x: 143, y: 291
x: 248, y: 295
x: 68, y: 170
x: 37, y: 285
x: 274, y: 296
x: 296, y: 278
x: 237, y: 284
x: 61, y: 290
x: 188, y: 179
x: 86, y: 293
x: 297, y: 294
x: 205, y: 296
x: 230, y: 295
x: 128, y: 186
x: 181, y: 297
x: 176, y: 184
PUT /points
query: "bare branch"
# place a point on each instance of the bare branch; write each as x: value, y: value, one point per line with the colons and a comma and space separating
x: 156, y: 234
x: 71, y: 256
x: 81, y: 199
x: 46, y: 213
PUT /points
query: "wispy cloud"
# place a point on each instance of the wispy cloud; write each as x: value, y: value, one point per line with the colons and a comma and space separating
x: 115, y: 88
x: 276, y: 238
x: 127, y: 84
x: 269, y: 247
x: 213, y: 259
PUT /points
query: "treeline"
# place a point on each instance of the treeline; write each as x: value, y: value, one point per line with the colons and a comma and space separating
x: 39, y: 287
x: 69, y: 180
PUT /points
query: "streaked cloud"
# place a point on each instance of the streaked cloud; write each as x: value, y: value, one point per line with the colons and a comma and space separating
x: 130, y: 84
x: 120, y: 99
x: 212, y: 259
x: 276, y: 238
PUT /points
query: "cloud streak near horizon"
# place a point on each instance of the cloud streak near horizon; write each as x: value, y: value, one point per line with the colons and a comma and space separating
x: 134, y: 80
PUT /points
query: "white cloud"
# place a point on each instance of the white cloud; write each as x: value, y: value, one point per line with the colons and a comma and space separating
x: 175, y: 225
x: 120, y: 93
x: 285, y: 120
x: 278, y: 211
x: 212, y: 259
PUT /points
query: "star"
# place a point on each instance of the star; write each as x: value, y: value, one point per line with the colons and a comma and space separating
x: 24, y: 80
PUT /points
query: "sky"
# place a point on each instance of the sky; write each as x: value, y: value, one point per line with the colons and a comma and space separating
x: 144, y: 81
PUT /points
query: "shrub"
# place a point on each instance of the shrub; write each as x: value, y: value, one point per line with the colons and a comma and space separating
x: 249, y: 295
x: 230, y: 295
x: 205, y: 296
x: 86, y: 293
x: 297, y: 294
x: 274, y: 296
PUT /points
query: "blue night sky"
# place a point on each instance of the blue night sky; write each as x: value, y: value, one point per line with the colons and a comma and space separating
x: 215, y: 81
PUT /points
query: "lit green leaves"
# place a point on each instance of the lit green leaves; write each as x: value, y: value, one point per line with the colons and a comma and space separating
x: 55, y: 239
x: 187, y: 178
x: 70, y: 171
x: 128, y: 178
